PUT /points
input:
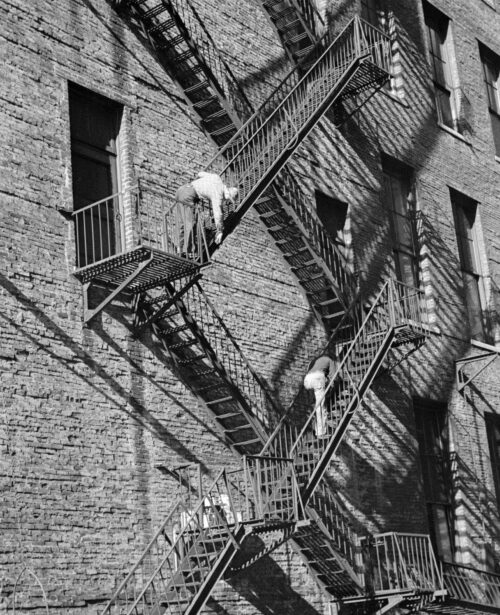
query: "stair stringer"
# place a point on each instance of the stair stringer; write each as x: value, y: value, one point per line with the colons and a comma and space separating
x: 305, y: 29
x: 161, y: 333
x: 343, y: 424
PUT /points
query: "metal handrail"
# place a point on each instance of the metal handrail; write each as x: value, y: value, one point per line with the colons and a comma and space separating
x: 472, y: 585
x: 139, y: 217
x: 402, y: 562
x: 264, y: 489
x: 274, y: 127
x: 314, y: 230
x: 230, y: 355
x: 344, y: 391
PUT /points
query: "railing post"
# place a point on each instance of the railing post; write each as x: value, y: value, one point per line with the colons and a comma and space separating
x: 357, y: 37
x: 391, y: 300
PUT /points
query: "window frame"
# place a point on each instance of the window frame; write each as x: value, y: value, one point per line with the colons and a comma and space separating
x: 490, y: 63
x: 395, y: 171
x: 465, y: 212
x: 493, y: 420
x: 96, y: 222
x: 437, y: 477
x: 442, y: 53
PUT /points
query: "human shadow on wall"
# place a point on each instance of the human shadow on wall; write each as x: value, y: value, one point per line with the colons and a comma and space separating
x: 126, y: 402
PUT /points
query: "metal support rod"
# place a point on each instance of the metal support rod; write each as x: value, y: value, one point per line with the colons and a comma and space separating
x: 89, y: 314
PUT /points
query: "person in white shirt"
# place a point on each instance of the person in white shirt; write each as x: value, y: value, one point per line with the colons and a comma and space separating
x: 319, y: 373
x: 207, y: 186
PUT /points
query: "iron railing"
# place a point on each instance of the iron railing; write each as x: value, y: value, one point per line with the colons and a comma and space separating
x: 180, y: 557
x: 127, y: 220
x: 251, y: 158
x: 312, y: 15
x: 360, y: 342
x: 331, y: 514
x: 319, y: 239
x: 230, y: 355
x: 472, y: 585
x: 395, y: 561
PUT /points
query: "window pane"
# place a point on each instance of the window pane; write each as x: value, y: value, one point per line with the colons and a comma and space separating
x: 404, y: 232
x: 493, y: 431
x: 407, y: 269
x: 473, y: 305
x: 432, y: 434
x: 441, y: 522
x: 444, y: 107
x: 495, y: 126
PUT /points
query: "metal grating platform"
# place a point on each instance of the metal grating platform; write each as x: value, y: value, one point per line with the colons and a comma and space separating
x: 114, y: 269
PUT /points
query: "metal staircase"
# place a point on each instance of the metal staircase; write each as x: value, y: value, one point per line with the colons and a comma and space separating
x: 355, y: 60
x: 195, y: 547
x: 298, y: 25
x: 200, y: 537
x: 209, y: 361
x: 251, y: 159
x: 181, y: 577
x: 184, y: 47
x: 393, y: 319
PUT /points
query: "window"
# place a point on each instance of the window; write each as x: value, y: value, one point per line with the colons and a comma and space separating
x: 448, y: 98
x: 491, y: 72
x: 94, y: 125
x: 493, y: 432
x: 465, y: 214
x: 333, y: 215
x: 432, y: 434
x: 400, y: 200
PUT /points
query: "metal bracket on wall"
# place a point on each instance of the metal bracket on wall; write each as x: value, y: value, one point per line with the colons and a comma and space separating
x: 462, y: 379
x: 90, y: 313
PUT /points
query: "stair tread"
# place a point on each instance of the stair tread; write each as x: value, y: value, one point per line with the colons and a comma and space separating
x: 221, y: 400
x: 198, y: 357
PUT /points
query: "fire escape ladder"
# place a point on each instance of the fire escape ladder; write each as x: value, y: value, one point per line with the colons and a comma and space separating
x: 317, y: 263
x: 357, y: 59
x: 394, y: 318
x: 297, y: 23
x: 209, y: 361
x: 331, y: 538
x: 199, y: 538
x: 185, y: 48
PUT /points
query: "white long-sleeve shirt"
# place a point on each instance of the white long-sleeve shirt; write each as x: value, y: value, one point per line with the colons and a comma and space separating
x: 210, y: 186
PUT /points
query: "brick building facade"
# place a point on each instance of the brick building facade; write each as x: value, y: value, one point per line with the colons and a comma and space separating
x: 405, y: 179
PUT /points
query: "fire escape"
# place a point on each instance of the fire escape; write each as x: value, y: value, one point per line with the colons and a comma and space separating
x: 280, y: 486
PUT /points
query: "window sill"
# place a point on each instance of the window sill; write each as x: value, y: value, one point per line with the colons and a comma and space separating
x: 485, y: 346
x: 454, y: 133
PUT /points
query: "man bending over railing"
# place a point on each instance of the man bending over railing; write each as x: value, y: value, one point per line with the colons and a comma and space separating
x: 207, y: 186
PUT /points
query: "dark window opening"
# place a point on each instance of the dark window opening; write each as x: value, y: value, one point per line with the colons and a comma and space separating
x: 399, y: 198
x: 333, y: 215
x: 94, y: 125
x: 432, y: 433
x: 465, y: 212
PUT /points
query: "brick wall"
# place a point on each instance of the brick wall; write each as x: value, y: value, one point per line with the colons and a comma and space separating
x: 89, y: 412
